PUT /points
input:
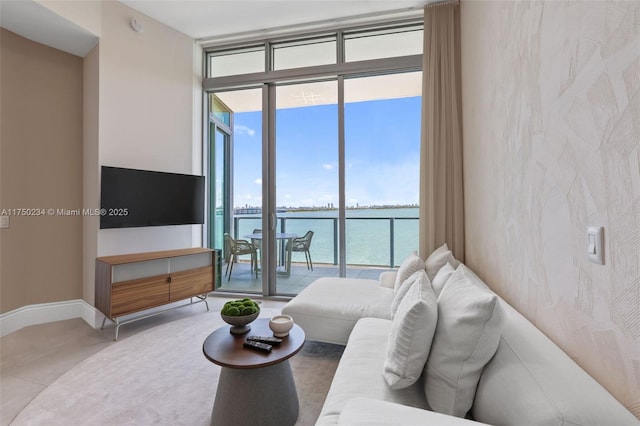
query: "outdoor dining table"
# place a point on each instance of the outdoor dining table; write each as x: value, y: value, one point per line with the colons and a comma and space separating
x: 284, y: 258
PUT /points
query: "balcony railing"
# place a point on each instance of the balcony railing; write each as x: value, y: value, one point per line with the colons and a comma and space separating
x: 370, y: 241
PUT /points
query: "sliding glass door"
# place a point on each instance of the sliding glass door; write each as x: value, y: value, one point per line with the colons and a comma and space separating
x: 306, y: 182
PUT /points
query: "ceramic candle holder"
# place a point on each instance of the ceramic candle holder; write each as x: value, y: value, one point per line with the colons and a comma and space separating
x: 281, y: 325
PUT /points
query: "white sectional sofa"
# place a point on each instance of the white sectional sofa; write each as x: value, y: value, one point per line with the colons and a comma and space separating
x: 527, y: 380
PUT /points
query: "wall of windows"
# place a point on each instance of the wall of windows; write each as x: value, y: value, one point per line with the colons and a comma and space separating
x: 333, y: 126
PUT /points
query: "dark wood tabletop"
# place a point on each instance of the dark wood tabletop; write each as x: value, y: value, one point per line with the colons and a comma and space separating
x: 227, y: 350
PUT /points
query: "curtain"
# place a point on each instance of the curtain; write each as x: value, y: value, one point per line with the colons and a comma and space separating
x: 441, y: 186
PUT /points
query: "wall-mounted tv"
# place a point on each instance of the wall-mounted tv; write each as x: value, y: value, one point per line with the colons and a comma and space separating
x: 132, y: 198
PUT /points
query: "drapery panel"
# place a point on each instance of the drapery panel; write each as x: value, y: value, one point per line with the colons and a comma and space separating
x: 441, y: 184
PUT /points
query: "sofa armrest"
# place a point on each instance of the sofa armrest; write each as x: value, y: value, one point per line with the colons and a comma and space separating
x: 388, y: 279
x: 373, y: 412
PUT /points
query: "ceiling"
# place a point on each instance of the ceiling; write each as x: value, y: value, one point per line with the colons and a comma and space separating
x: 35, y: 22
x: 386, y: 86
x: 214, y: 19
x: 209, y: 21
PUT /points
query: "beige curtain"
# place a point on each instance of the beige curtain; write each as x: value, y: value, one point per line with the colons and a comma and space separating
x: 441, y: 187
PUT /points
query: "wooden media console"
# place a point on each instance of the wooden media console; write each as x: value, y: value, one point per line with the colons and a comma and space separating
x: 130, y: 283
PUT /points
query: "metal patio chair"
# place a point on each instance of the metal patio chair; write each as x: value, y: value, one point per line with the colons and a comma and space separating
x: 303, y: 244
x: 238, y: 248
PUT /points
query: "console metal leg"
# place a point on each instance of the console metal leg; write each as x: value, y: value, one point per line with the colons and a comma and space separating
x: 117, y: 329
x: 202, y: 298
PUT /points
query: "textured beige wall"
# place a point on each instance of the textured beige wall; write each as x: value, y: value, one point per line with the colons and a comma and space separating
x: 41, y: 167
x: 551, y: 136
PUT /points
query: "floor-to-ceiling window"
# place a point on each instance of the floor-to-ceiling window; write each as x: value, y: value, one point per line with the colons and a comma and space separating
x: 322, y: 142
x: 236, y: 177
x: 307, y: 187
x: 382, y: 148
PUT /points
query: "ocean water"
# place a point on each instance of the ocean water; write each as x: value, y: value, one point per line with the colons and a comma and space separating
x: 368, y: 232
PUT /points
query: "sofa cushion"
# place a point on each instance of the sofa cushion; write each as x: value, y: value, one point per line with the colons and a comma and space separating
x: 329, y: 307
x: 557, y: 390
x: 440, y: 257
x: 403, y: 290
x: 411, y: 333
x: 470, y: 321
x: 368, y: 412
x: 410, y: 265
x: 358, y: 373
x: 441, y: 278
x: 388, y: 278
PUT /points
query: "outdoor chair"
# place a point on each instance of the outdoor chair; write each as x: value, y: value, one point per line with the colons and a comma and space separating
x: 303, y: 244
x: 257, y: 243
x: 237, y: 248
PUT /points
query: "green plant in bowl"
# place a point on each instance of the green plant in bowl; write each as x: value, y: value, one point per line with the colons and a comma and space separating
x: 239, y: 313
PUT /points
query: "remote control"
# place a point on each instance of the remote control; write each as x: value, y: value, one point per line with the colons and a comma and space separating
x: 262, y: 347
x: 265, y: 339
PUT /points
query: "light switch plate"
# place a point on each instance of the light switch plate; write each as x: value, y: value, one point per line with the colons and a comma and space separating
x: 4, y: 221
x: 595, y: 244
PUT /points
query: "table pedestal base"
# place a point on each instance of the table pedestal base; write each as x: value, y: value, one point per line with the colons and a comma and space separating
x: 256, y: 396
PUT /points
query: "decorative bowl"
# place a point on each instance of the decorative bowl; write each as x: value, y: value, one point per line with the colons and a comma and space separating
x: 239, y: 313
x: 281, y: 325
x: 240, y: 323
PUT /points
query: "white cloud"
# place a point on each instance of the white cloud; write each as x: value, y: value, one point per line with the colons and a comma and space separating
x: 327, y: 166
x: 258, y: 181
x: 240, y: 129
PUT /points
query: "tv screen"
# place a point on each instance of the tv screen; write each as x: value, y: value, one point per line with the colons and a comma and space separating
x: 133, y: 198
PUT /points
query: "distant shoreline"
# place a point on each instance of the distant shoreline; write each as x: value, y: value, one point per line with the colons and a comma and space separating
x: 258, y: 210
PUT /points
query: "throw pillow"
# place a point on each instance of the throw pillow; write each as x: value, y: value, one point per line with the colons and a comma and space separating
x: 404, y: 288
x: 411, y: 264
x: 441, y: 278
x: 470, y: 323
x: 440, y: 257
x: 411, y: 334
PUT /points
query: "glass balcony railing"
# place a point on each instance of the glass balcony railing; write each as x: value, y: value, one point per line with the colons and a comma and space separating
x: 376, y: 241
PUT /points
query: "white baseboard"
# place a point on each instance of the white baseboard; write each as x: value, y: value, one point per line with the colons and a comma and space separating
x: 47, y: 312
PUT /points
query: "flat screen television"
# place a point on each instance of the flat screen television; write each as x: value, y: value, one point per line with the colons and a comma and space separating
x: 132, y: 198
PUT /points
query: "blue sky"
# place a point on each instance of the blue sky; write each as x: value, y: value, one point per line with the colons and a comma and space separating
x: 382, y: 154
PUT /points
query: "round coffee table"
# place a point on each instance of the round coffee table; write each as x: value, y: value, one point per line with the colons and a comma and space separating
x: 255, y: 388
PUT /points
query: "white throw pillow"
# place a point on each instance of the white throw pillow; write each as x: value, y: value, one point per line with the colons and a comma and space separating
x: 411, y: 334
x: 440, y: 257
x: 470, y: 322
x: 441, y: 278
x: 404, y: 288
x: 410, y: 265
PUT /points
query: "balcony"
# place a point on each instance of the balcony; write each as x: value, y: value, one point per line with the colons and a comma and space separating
x: 376, y: 242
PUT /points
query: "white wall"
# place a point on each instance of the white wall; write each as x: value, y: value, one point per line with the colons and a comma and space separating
x: 146, y: 113
x: 551, y: 103
x: 143, y: 109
